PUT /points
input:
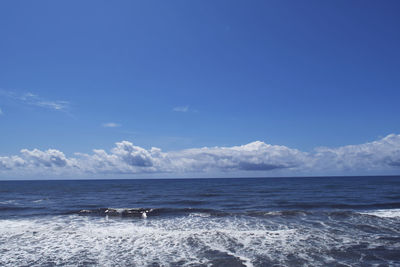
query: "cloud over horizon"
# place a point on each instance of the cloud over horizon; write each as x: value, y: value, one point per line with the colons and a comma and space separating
x: 382, y: 155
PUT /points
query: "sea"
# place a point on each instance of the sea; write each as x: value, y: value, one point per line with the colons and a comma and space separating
x: 302, y: 221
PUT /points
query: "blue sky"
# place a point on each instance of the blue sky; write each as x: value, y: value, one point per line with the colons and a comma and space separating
x: 83, y: 75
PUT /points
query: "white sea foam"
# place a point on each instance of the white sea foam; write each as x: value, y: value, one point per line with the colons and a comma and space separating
x: 180, y: 241
x: 199, y: 214
x: 388, y: 213
x: 97, y: 241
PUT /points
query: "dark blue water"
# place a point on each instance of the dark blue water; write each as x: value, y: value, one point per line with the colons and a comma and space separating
x: 338, y: 221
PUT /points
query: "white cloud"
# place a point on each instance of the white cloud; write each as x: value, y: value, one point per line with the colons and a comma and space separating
x: 35, y: 100
x: 56, y: 105
x: 1, y: 112
x: 48, y: 158
x: 253, y: 156
x: 380, y: 154
x: 257, y: 158
x: 111, y: 125
x: 10, y: 163
x: 181, y: 109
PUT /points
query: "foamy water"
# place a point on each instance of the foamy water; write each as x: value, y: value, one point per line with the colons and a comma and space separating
x: 389, y: 213
x: 191, y: 241
x: 222, y: 222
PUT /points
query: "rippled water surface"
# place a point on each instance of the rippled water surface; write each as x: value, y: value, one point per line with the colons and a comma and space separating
x: 346, y: 221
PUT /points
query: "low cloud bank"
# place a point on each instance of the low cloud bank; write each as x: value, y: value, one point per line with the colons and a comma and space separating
x: 257, y: 157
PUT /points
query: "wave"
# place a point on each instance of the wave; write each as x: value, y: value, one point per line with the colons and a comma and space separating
x: 342, y: 206
x: 378, y: 210
x: 172, y: 212
x: 388, y: 213
x: 116, y: 212
x: 144, y: 212
x: 283, y: 213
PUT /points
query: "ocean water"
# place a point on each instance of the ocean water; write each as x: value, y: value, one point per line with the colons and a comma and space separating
x: 331, y: 221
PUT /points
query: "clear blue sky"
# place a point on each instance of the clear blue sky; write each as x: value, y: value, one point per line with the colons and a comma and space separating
x: 184, y: 74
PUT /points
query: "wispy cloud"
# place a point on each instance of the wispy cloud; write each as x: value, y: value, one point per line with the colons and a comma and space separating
x: 111, y: 125
x: 56, y: 105
x: 181, y: 109
x: 35, y: 100
x: 381, y: 156
x: 1, y: 112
